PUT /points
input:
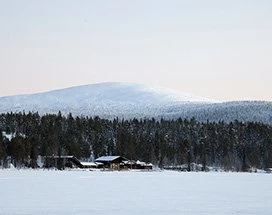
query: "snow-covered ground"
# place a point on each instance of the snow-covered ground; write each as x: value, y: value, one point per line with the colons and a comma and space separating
x: 122, y: 193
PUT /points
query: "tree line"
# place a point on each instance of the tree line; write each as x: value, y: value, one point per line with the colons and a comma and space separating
x: 234, y: 146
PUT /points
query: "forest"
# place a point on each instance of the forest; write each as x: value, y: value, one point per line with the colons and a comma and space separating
x: 233, y: 146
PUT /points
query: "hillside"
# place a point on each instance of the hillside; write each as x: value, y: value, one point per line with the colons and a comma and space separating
x: 126, y: 100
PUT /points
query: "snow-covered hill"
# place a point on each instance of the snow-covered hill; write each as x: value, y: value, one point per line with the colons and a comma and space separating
x: 105, y: 99
x: 126, y: 100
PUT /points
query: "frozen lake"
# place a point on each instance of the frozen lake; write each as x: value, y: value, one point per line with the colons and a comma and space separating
x: 85, y: 192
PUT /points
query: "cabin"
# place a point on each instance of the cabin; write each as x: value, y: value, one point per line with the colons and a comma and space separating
x: 61, y: 162
x: 111, y: 162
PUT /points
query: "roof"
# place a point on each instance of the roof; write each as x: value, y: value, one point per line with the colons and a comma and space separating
x: 107, y: 158
x: 90, y: 163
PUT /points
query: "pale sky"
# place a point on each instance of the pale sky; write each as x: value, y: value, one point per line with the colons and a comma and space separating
x: 218, y: 49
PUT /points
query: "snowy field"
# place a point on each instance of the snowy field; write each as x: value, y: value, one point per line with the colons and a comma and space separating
x: 126, y: 193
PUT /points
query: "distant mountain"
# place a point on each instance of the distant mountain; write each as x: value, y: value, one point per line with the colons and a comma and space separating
x: 126, y: 100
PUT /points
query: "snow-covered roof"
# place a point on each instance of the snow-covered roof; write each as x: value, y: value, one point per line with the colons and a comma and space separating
x: 91, y: 163
x: 107, y: 158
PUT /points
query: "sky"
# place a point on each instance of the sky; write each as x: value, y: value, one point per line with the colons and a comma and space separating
x: 220, y: 50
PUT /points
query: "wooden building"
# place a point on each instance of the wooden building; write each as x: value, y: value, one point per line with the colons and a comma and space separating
x: 61, y: 162
x: 111, y: 162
